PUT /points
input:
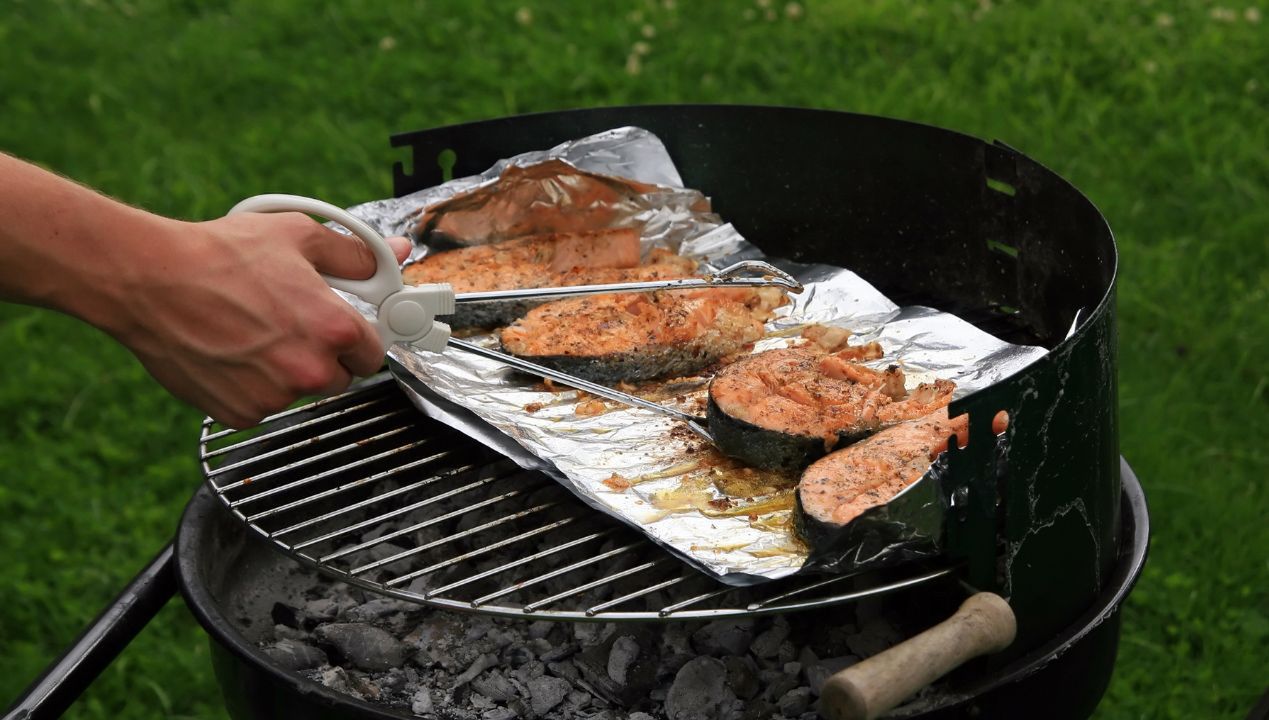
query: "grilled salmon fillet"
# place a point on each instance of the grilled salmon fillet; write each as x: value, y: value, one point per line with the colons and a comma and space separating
x: 556, y: 260
x: 781, y: 409
x: 547, y: 197
x: 837, y: 488
x: 641, y: 336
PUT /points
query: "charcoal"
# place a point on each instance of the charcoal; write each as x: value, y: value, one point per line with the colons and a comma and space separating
x: 795, y: 702
x: 578, y: 699
x: 283, y: 614
x: 816, y: 674
x: 767, y: 644
x: 322, y: 609
x: 777, y: 687
x: 638, y: 677
x: 496, y: 686
x: 547, y: 692
x: 516, y: 655
x: 365, y: 646
x: 282, y: 632
x: 723, y: 637
x: 873, y: 637
x: 559, y: 653
x: 671, y: 664
x: 421, y: 702
x: 588, y: 634
x: 742, y: 676
x: 529, y: 671
x: 374, y: 610
x: 676, y: 638
x: 758, y: 710
x: 792, y: 668
x: 788, y: 652
x: 479, y: 665
x: 500, y: 713
x: 565, y: 670
x: 540, y: 646
x: 625, y: 650
x: 640, y: 716
x: 539, y: 629
x: 480, y: 702
x: 292, y: 655
x: 700, y: 691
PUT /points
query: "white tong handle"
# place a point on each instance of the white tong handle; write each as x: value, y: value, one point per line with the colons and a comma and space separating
x: 404, y: 314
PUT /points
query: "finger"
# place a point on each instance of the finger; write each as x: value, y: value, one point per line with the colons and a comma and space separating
x: 339, y: 383
x: 400, y: 247
x: 364, y: 357
x: 337, y: 254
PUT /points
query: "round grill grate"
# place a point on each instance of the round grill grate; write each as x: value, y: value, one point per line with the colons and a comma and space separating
x: 364, y: 488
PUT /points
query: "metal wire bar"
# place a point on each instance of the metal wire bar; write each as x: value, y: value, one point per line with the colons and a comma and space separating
x: 481, y: 551
x: 345, y: 487
x: 596, y: 609
x: 344, y: 430
x: 429, y: 522
x: 378, y: 498
x: 437, y: 592
x: 773, y: 277
x: 321, y: 475
x: 592, y: 584
x: 256, y: 439
x: 315, y: 405
x: 553, y: 574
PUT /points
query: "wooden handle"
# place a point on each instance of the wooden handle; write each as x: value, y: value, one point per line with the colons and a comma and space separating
x: 983, y: 624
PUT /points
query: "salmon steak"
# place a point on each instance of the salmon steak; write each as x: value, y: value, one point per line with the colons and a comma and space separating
x: 555, y: 260
x: 840, y: 486
x: 628, y: 337
x: 782, y: 409
x: 547, y: 197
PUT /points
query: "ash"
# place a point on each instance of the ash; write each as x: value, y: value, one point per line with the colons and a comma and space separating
x: 438, y: 664
x: 445, y: 665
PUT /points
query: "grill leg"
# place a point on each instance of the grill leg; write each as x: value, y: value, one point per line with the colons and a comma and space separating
x: 99, y: 643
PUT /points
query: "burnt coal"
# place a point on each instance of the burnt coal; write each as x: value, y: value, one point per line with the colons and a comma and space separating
x: 442, y: 665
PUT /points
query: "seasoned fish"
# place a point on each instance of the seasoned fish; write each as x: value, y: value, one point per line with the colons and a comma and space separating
x: 547, y: 197
x: 560, y: 259
x: 781, y: 409
x: 641, y: 336
x: 837, y: 488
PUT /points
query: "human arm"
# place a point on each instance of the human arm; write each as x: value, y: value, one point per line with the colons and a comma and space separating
x: 230, y: 315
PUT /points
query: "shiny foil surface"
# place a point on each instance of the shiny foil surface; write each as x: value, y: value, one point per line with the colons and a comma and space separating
x: 646, y: 469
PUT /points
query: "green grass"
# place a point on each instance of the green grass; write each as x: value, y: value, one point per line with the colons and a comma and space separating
x: 1157, y: 110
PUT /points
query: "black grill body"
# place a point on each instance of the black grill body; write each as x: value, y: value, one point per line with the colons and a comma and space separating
x: 934, y: 217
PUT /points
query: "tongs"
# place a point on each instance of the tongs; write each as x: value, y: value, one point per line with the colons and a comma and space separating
x: 408, y: 314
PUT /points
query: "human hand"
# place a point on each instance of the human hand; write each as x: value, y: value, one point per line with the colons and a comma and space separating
x: 233, y: 317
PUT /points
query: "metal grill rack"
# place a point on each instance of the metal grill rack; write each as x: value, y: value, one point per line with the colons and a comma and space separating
x: 367, y: 490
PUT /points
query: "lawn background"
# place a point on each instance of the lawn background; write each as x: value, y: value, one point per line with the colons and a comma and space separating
x: 1158, y: 111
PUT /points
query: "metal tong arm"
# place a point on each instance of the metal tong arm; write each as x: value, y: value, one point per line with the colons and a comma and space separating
x: 697, y: 424
x: 771, y: 276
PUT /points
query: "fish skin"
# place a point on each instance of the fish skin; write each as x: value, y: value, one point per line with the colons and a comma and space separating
x: 784, y: 408
x: 842, y: 485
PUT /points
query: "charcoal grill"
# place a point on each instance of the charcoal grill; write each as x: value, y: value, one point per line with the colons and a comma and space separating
x: 928, y: 216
